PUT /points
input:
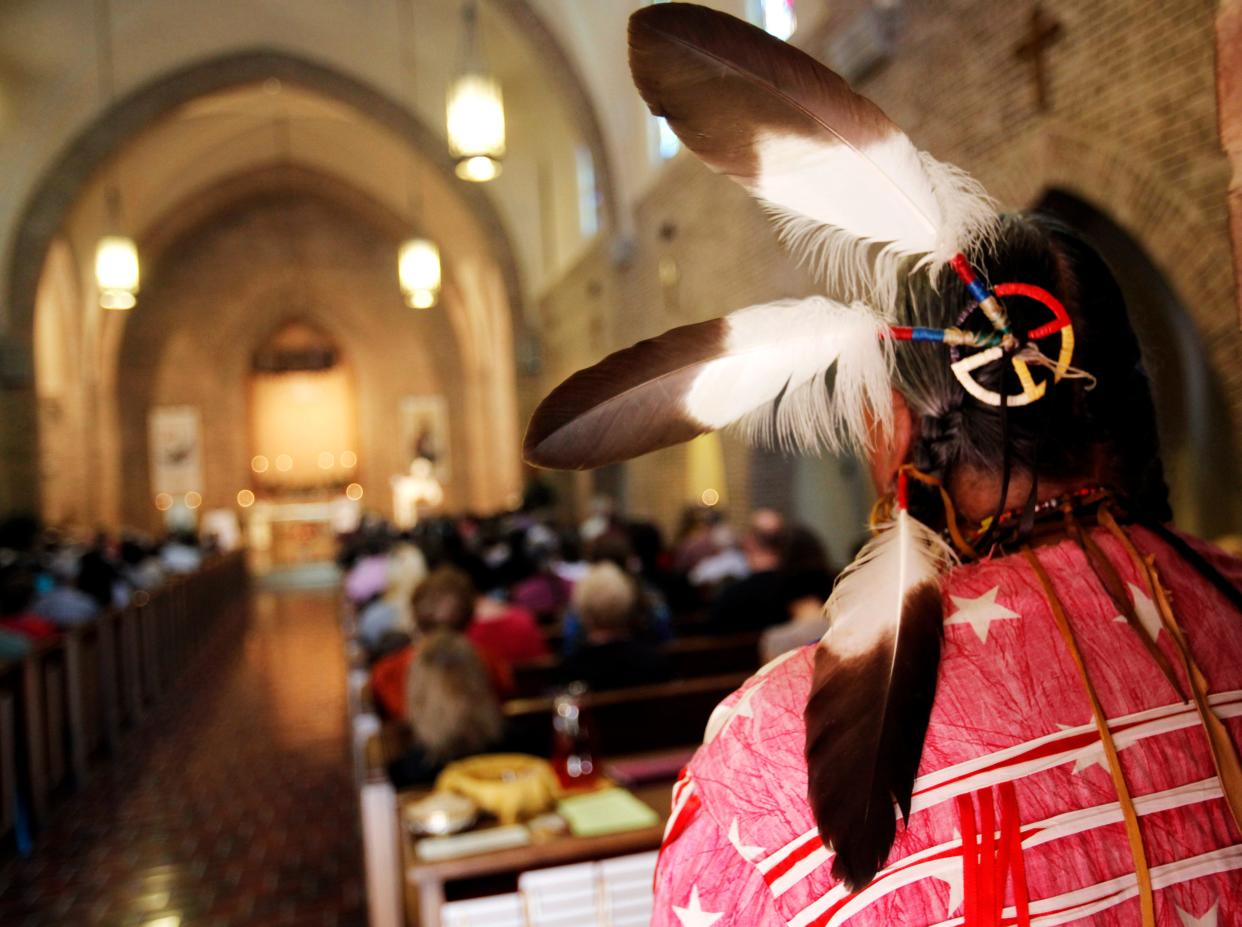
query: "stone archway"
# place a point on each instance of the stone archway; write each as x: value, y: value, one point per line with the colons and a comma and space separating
x: 106, y: 136
x: 1198, y: 446
x: 1188, y: 246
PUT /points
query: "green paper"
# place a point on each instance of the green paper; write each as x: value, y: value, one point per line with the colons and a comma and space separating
x: 608, y: 811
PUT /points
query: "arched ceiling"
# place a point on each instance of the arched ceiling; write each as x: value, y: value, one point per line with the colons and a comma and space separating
x: 352, y: 108
x: 203, y: 88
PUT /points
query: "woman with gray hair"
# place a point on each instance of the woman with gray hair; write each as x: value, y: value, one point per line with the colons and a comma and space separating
x: 606, y: 599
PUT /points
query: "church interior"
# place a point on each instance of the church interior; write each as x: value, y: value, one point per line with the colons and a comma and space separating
x: 281, y: 285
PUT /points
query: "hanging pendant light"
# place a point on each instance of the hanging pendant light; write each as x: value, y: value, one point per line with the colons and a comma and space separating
x: 116, y: 255
x: 116, y: 272
x: 418, y: 269
x: 418, y: 259
x: 476, y: 110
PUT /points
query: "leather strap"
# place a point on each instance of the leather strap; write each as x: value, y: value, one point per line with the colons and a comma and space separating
x: 950, y: 513
x: 1107, y: 575
x: 1224, y: 751
x: 1138, y: 853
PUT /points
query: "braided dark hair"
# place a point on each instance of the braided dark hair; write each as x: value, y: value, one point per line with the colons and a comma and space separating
x: 1075, y: 426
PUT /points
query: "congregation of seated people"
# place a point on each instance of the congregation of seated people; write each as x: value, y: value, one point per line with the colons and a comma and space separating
x: 450, y: 613
x: 51, y: 582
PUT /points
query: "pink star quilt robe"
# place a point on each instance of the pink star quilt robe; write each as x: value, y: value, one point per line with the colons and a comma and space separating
x: 1012, y: 755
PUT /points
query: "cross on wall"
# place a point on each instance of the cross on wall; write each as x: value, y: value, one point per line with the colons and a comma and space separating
x: 1043, y: 31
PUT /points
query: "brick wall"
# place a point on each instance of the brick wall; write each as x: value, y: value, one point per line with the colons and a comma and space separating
x: 726, y: 258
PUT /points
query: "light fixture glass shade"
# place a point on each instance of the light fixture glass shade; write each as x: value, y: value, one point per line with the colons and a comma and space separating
x: 418, y: 270
x: 476, y: 126
x: 116, y: 272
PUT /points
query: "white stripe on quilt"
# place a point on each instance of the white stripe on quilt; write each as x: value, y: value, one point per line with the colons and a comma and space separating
x: 918, y: 866
x: 927, y: 781
x: 799, y: 872
x: 1159, y: 720
x: 679, y: 805
x: 1071, y: 906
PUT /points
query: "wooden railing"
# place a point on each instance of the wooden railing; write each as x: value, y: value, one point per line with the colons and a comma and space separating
x: 65, y: 707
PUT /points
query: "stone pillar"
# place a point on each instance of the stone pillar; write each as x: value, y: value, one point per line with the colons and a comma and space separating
x: 19, y: 433
x: 1229, y: 104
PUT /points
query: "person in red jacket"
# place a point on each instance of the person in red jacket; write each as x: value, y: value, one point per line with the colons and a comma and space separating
x: 444, y: 601
x: 16, y: 595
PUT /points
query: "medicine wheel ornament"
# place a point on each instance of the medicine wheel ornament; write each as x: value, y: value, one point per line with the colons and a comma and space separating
x: 964, y: 367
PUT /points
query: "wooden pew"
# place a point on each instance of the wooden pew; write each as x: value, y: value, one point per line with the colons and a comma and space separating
x: 690, y: 658
x: 640, y: 719
x: 129, y: 659
x: 48, y: 737
x: 11, y: 688
x: 634, y: 720
x: 111, y: 691
x: 67, y: 701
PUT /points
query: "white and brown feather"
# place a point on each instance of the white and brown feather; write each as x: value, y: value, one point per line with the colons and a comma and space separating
x: 797, y: 374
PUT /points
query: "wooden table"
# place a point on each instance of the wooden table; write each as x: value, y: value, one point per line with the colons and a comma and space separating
x: 425, y: 881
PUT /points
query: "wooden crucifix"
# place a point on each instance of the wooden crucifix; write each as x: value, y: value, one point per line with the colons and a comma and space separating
x: 1042, y: 33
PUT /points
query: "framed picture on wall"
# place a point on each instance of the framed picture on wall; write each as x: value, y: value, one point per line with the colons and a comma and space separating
x: 175, y: 441
x: 425, y: 433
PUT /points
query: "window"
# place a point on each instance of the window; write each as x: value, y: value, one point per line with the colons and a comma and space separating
x: 775, y: 16
x: 664, y: 141
x: 588, y: 194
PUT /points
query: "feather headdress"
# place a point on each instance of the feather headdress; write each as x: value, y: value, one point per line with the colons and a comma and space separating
x: 849, y: 192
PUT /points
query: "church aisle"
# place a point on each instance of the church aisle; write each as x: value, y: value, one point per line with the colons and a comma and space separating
x: 240, y: 811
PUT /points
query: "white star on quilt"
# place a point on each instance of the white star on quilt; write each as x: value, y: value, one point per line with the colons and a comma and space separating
x: 722, y: 715
x: 980, y: 613
x: 1208, y: 919
x: 1146, y: 612
x: 735, y: 837
x: 693, y: 915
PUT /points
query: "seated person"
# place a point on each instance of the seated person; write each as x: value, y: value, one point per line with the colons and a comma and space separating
x: 367, y: 577
x: 139, y: 565
x: 611, y: 657
x: 63, y: 601
x: 758, y: 601
x: 543, y: 591
x: 807, y: 585
x: 451, y: 707
x: 652, y: 618
x: 444, y: 601
x: 181, y: 554
x: 407, y: 567
x: 97, y: 575
x: 377, y: 624
x: 16, y: 593
x: 507, y: 630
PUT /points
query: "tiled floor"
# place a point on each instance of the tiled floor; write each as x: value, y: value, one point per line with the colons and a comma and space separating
x: 233, y: 805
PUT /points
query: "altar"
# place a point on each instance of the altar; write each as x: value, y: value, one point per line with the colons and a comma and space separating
x: 287, y: 534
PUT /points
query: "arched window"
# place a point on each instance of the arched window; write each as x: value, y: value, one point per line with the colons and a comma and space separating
x: 775, y: 16
x: 588, y: 192
x: 664, y: 142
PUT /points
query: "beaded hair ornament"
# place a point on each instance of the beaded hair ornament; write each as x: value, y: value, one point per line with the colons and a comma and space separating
x: 853, y: 198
